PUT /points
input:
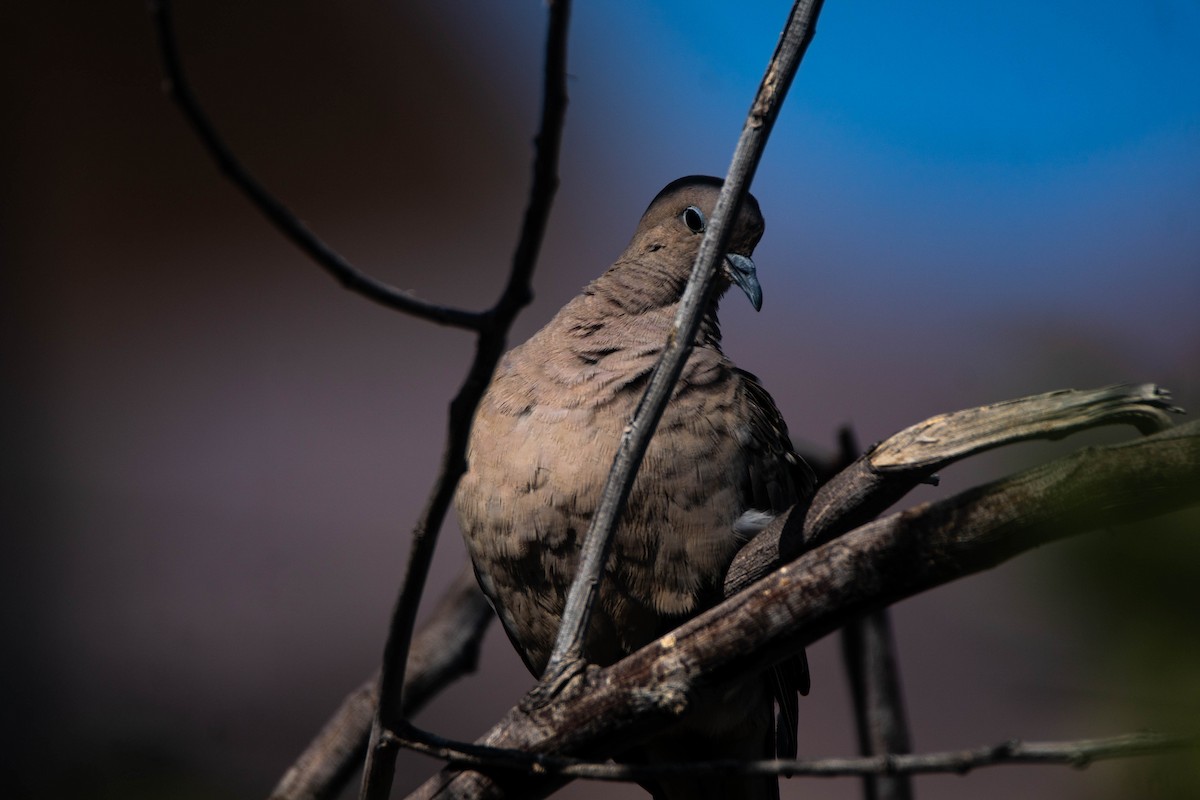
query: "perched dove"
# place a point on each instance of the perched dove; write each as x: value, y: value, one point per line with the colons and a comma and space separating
x: 718, y: 468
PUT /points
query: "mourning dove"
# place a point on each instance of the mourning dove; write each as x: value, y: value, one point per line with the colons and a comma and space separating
x: 718, y: 468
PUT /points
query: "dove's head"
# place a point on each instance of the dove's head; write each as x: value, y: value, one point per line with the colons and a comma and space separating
x: 670, y: 231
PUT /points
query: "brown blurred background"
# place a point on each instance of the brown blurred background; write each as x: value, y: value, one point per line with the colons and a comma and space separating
x: 212, y: 455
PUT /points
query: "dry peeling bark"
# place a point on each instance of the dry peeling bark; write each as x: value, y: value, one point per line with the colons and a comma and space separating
x: 892, y: 468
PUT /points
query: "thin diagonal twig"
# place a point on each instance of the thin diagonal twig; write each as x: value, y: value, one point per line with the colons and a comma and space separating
x: 1076, y: 753
x: 177, y: 86
x: 568, y: 647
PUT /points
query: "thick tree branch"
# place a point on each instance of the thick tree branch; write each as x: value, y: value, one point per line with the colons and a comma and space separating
x: 605, y: 710
x: 179, y: 89
x: 894, y: 467
x: 565, y: 661
x: 444, y: 649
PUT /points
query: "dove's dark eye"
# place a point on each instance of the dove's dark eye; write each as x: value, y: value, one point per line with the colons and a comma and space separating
x: 694, y: 219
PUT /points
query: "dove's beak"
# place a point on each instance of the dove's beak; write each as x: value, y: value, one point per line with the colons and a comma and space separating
x: 742, y: 272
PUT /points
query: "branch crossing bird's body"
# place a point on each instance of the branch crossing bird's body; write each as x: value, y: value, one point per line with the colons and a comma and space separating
x: 719, y: 465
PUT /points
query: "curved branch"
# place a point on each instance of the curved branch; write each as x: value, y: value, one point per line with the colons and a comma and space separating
x: 179, y: 89
x: 891, y: 469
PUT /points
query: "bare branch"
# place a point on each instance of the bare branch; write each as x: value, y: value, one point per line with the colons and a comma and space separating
x: 605, y: 710
x: 179, y: 89
x: 490, y: 345
x: 568, y: 648
x: 1077, y: 753
x: 444, y: 649
x: 891, y: 469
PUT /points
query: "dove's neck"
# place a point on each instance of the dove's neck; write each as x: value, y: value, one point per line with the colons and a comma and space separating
x: 646, y: 294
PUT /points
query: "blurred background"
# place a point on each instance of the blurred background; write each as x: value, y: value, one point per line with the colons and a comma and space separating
x: 212, y: 455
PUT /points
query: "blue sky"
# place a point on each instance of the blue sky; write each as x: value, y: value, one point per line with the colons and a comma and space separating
x: 1014, y: 157
x: 1019, y: 83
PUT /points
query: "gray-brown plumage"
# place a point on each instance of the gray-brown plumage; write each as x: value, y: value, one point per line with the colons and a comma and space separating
x: 718, y: 466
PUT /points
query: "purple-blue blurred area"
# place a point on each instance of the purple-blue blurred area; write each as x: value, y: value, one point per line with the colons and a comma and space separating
x: 213, y: 455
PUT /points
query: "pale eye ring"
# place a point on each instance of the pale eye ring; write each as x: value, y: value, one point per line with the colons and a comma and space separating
x: 694, y: 219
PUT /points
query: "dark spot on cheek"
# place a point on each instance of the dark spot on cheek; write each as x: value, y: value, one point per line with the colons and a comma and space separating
x: 654, y: 247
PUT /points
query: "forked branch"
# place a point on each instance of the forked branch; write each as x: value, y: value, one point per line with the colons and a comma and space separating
x: 491, y: 326
x: 490, y: 345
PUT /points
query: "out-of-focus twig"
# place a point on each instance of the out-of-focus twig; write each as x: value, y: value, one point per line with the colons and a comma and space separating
x: 445, y: 648
x: 869, y: 652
